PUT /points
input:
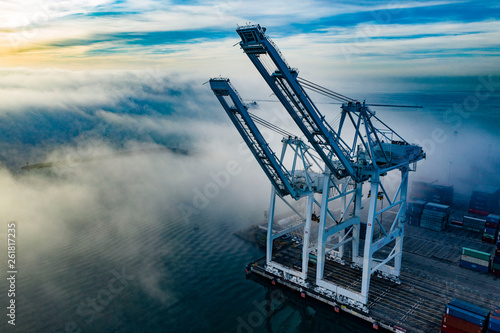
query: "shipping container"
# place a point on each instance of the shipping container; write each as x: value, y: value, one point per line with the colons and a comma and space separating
x: 475, y: 260
x: 461, y: 324
x: 436, y: 207
x: 478, y: 211
x: 456, y: 223
x: 442, y: 194
x: 487, y: 239
x: 465, y: 315
x: 475, y: 267
x: 490, y: 231
x: 485, y: 199
x: 474, y: 221
x: 491, y: 238
x: 494, y: 323
x: 416, y: 206
x: 493, y: 218
x: 450, y: 329
x: 476, y: 254
x: 470, y: 307
x: 474, y: 224
x: 492, y: 225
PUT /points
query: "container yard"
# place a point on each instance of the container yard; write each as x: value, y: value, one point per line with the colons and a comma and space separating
x: 440, y: 269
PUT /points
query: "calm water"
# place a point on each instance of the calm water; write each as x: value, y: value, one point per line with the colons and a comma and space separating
x: 161, y: 276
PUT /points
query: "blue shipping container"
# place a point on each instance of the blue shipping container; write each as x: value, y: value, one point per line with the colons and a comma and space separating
x: 470, y: 307
x: 465, y: 315
x: 494, y: 324
x: 437, y: 207
x: 493, y: 218
x: 490, y: 231
x: 469, y: 265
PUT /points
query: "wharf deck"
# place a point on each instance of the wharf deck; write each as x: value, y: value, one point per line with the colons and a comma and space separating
x: 428, y: 282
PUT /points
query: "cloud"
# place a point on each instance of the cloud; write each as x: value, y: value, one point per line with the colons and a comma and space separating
x: 48, y: 108
x: 437, y: 35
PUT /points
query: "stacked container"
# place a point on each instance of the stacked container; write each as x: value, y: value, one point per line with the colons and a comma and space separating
x: 484, y: 200
x: 434, y: 216
x: 475, y: 260
x: 424, y: 191
x: 474, y: 224
x: 464, y: 317
x: 419, y: 190
x: 490, y: 232
x: 442, y: 194
x: 495, y: 262
x: 414, y: 212
x: 494, y: 323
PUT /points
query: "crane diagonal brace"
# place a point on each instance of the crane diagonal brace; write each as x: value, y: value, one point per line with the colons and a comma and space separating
x: 291, y: 94
x: 237, y: 112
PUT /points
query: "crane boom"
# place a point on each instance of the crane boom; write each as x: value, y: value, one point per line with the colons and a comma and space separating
x: 237, y: 112
x: 282, y: 79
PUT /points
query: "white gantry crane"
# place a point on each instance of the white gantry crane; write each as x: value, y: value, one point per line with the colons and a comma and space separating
x: 328, y: 171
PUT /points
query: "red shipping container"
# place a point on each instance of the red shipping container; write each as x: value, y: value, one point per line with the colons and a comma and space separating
x: 449, y: 329
x: 488, y: 240
x: 479, y: 212
x: 495, y: 272
x: 461, y: 324
x: 492, y: 225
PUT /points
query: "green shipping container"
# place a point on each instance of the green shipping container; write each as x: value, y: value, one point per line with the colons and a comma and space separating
x: 476, y: 254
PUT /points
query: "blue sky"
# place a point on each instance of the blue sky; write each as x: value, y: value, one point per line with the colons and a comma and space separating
x: 373, y: 38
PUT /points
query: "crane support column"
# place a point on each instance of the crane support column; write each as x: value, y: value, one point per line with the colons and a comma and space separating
x: 357, y: 215
x: 307, y: 234
x: 402, y: 221
x: 321, y: 231
x: 270, y: 226
x: 343, y: 205
x: 367, y: 257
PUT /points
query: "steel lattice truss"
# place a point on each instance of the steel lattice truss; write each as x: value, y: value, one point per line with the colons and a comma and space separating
x: 332, y: 167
